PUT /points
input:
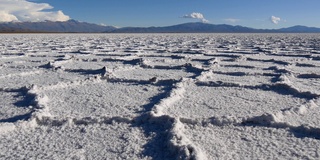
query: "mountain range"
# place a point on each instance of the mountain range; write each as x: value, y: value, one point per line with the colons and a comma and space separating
x: 73, y: 26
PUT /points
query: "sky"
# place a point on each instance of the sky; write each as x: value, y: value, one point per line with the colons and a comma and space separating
x: 262, y: 14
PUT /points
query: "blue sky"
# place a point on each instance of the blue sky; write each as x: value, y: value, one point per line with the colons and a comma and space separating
x: 250, y: 13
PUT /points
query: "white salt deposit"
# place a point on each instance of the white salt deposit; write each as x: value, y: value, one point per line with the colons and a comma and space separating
x: 159, y: 96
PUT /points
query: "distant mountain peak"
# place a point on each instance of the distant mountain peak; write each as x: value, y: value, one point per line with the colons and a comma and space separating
x: 191, y: 27
x: 300, y: 29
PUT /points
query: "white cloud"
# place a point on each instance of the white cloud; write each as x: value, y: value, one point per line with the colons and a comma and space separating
x: 232, y: 20
x: 196, y: 15
x: 275, y: 20
x: 6, y: 17
x: 22, y: 10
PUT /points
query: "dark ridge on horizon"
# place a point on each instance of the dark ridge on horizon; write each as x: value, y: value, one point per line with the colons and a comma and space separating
x: 70, y: 26
x: 73, y: 26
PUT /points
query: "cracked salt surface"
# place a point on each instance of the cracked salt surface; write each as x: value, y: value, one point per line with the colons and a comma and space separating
x: 29, y: 78
x: 95, y: 141
x: 12, y: 105
x: 238, y: 142
x: 100, y: 99
x: 206, y: 102
x: 159, y: 96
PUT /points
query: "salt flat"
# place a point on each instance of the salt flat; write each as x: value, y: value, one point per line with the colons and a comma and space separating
x: 159, y: 96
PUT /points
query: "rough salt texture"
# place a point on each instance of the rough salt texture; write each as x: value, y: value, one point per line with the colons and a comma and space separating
x: 159, y: 96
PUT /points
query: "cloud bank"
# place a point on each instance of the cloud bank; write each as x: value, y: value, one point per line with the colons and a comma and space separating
x: 22, y: 10
x: 196, y: 15
x: 275, y: 20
